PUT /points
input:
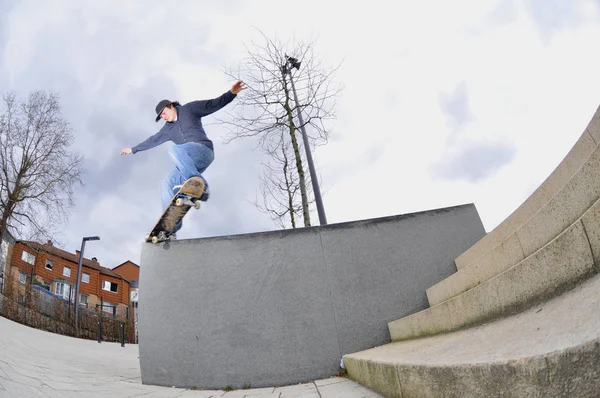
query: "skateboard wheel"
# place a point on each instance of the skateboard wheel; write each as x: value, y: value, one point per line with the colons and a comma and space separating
x: 155, y: 239
x: 178, y: 202
x: 196, y: 205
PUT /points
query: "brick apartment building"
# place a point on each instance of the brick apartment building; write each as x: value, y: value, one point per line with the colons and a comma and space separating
x: 130, y: 271
x: 5, y: 252
x: 56, y: 270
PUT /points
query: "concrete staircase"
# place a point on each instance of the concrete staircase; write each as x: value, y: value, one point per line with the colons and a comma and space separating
x: 520, y: 316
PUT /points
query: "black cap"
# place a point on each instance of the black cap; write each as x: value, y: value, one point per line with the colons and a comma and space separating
x: 160, y: 107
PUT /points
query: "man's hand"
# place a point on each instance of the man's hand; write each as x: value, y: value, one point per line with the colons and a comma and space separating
x: 238, y: 86
x: 125, y: 151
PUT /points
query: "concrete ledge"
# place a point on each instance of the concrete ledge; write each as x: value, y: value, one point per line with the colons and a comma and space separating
x: 571, y: 373
x: 559, y: 265
x: 593, y: 127
x: 282, y: 307
x: 577, y: 156
x: 550, y: 350
x: 494, y: 262
x: 591, y: 223
x: 568, y: 205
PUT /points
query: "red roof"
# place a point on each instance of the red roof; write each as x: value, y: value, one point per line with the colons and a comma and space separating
x: 74, y: 258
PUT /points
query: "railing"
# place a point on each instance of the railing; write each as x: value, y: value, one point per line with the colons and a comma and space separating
x: 34, y: 306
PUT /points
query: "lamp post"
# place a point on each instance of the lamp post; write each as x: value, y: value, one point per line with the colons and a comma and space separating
x: 79, y: 280
x: 287, y: 68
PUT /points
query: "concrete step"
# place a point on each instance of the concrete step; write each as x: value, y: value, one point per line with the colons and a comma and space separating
x: 572, y: 162
x: 550, y: 350
x: 563, y: 262
x: 569, y: 204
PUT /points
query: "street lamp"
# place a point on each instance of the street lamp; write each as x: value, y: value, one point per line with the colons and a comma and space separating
x: 79, y: 280
x: 287, y: 68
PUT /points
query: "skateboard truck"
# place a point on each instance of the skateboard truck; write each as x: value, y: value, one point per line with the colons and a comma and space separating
x: 161, y: 237
x: 186, y: 201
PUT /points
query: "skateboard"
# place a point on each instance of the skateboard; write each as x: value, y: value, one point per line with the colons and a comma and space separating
x: 186, y: 198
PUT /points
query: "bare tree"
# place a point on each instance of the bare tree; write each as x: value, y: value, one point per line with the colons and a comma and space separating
x: 280, y: 186
x: 37, y: 169
x: 267, y: 109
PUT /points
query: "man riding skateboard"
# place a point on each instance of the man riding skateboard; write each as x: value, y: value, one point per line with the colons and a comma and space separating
x: 193, y: 151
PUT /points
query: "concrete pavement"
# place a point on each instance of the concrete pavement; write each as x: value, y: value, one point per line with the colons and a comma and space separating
x: 35, y: 363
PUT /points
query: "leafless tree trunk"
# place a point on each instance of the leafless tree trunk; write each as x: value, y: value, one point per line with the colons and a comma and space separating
x: 267, y: 108
x: 37, y: 169
x: 280, y: 185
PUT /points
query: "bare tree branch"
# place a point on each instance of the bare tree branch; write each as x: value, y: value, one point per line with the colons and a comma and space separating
x: 38, y: 172
x: 268, y: 112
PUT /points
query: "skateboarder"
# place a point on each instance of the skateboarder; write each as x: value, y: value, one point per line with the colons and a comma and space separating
x: 193, y: 151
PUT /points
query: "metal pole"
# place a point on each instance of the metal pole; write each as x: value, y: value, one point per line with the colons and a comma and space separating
x: 79, y: 280
x: 309, y: 160
x: 77, y: 287
x: 122, y: 334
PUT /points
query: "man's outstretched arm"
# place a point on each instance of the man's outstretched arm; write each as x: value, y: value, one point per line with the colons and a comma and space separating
x: 150, y: 142
x: 206, y: 107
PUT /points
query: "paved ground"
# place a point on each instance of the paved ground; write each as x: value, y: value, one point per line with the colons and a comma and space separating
x: 34, y: 363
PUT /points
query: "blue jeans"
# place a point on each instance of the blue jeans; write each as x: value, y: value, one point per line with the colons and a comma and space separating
x: 191, y: 160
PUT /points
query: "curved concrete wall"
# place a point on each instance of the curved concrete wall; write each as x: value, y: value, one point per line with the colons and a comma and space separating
x: 565, y: 195
x: 573, y: 161
x: 282, y: 307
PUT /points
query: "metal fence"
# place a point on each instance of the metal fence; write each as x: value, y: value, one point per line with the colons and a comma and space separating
x: 34, y: 306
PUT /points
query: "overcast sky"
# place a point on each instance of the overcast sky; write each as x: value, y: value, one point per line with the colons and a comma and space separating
x: 444, y: 103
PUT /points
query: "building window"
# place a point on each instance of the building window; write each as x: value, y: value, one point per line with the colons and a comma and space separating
x: 63, y: 289
x: 110, y: 286
x: 85, y: 277
x: 46, y: 285
x: 83, y: 300
x: 67, y: 271
x: 49, y: 265
x: 109, y: 308
x: 22, y: 278
x: 28, y: 257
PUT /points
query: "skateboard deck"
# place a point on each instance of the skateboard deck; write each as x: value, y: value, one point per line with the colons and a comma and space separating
x: 187, y: 197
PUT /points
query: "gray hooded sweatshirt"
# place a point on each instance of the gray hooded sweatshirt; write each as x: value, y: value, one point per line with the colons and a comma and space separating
x: 188, y: 126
